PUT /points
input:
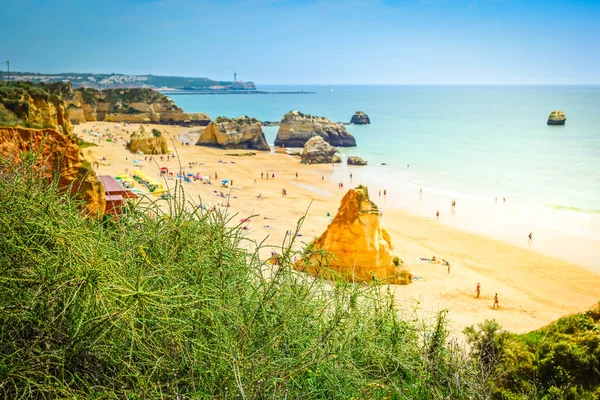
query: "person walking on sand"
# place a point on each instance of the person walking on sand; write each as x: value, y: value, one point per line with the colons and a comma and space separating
x: 261, y: 175
x: 384, y: 192
x: 437, y: 214
x: 496, y: 304
x: 530, y: 237
x: 296, y: 175
x: 273, y: 176
x: 478, y: 289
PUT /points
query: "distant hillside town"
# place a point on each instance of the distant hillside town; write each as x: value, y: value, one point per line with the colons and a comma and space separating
x: 113, y: 81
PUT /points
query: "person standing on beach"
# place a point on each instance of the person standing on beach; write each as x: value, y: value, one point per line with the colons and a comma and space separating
x: 322, y: 177
x: 296, y: 175
x: 216, y: 176
x: 478, y: 289
x: 384, y: 192
x: 261, y: 175
x: 437, y: 214
x: 496, y: 304
x: 350, y: 176
x: 530, y: 238
x: 504, y: 200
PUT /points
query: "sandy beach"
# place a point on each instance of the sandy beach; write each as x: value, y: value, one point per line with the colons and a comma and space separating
x: 533, y: 286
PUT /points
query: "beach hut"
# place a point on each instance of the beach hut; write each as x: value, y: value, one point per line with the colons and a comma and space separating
x: 115, y: 194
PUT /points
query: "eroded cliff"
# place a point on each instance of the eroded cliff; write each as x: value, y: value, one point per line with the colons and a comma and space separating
x: 237, y: 133
x: 296, y: 128
x: 131, y: 105
x: 57, y: 156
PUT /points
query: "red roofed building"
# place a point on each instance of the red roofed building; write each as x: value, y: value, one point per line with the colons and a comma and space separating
x: 115, y: 194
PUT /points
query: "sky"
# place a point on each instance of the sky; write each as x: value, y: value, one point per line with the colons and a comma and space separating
x: 310, y: 41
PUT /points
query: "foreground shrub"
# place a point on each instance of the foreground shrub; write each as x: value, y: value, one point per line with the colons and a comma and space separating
x: 170, y: 305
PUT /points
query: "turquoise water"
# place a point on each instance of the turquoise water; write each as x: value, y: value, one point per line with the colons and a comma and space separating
x: 466, y: 142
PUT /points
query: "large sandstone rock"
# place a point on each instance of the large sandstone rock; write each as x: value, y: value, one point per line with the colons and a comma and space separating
x: 318, y: 151
x: 238, y: 133
x: 557, y: 117
x: 360, y: 118
x: 359, y: 248
x: 131, y: 105
x: 148, y: 142
x: 58, y: 155
x: 296, y: 128
x: 353, y: 160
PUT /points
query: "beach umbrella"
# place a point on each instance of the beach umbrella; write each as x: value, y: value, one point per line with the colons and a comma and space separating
x: 224, y: 181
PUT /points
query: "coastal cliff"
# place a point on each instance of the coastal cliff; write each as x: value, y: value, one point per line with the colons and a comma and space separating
x: 296, y: 128
x: 34, y: 105
x: 130, y: 105
x: 234, y: 133
x: 148, y: 142
x: 58, y: 155
x: 360, y: 249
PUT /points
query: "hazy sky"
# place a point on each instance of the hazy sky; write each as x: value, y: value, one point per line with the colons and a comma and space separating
x: 310, y: 41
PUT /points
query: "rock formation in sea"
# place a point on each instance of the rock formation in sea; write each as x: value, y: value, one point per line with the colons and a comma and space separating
x: 57, y: 156
x: 318, y: 151
x: 296, y: 128
x: 360, y: 118
x: 234, y: 133
x: 353, y: 160
x: 355, y: 246
x: 148, y: 142
x: 557, y: 117
x: 130, y: 105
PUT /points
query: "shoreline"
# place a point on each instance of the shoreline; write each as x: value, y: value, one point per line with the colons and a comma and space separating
x: 534, y: 288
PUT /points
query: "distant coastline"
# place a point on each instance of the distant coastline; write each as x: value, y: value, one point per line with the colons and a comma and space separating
x: 225, y: 91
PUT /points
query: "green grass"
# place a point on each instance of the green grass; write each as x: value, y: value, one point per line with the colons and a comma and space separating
x: 170, y: 304
x: 160, y: 305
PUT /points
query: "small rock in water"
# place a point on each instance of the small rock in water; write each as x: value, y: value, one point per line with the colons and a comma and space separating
x: 557, y: 117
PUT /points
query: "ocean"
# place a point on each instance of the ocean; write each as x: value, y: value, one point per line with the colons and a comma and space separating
x: 474, y: 144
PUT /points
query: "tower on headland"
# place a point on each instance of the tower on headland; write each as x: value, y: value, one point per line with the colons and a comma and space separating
x: 235, y: 76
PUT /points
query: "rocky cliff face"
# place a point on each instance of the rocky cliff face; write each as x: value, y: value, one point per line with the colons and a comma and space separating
x: 148, y: 142
x: 296, y: 128
x: 360, y: 118
x: 34, y: 105
x: 360, y: 249
x: 238, y: 133
x: 318, y: 151
x: 58, y: 152
x: 557, y: 117
x: 131, y: 105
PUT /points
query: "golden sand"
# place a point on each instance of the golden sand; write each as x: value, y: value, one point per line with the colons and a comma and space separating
x: 533, y: 288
